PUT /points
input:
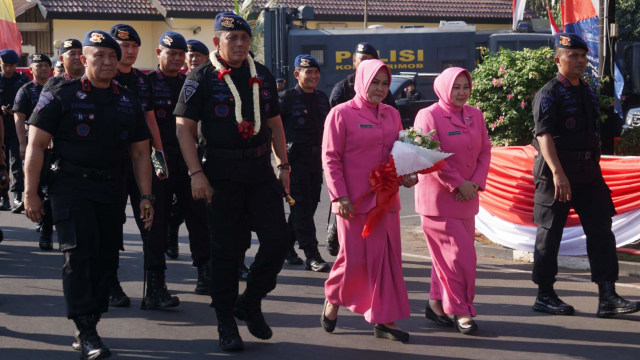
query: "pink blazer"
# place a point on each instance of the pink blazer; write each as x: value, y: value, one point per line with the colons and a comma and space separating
x: 469, y: 142
x: 354, y: 142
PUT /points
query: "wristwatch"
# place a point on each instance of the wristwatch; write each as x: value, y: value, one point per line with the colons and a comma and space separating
x: 151, y: 198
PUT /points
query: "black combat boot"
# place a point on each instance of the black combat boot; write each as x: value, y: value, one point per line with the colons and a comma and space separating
x: 4, y: 199
x: 229, y: 337
x: 117, y: 297
x: 18, y: 203
x: 204, y: 279
x: 292, y: 257
x: 172, y: 251
x: 249, y: 309
x: 157, y: 294
x: 315, y: 262
x: 45, y: 243
x: 610, y: 303
x: 87, y: 340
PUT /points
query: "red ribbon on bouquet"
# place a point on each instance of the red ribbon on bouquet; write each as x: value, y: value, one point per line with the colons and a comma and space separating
x: 385, y: 182
x: 437, y: 166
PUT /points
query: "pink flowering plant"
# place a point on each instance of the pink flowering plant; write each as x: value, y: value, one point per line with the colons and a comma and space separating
x: 504, y: 85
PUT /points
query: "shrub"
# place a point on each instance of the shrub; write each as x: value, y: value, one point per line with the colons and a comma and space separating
x: 629, y: 143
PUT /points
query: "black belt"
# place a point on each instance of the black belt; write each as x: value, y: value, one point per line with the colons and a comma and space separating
x: 249, y: 153
x: 70, y: 170
x: 577, y: 155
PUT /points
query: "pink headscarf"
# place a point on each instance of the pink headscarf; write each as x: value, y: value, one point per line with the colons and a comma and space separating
x: 443, y: 85
x: 365, y: 73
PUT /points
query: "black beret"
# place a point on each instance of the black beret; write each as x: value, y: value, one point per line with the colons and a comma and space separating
x: 173, y: 40
x: 366, y: 48
x: 124, y: 32
x: 197, y: 46
x: 570, y: 41
x: 279, y: 80
x: 306, y: 60
x: 99, y: 38
x: 9, y: 56
x: 70, y: 44
x: 228, y: 21
x: 37, y: 57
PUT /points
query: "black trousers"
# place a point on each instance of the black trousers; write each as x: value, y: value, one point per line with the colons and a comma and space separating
x: 89, y: 233
x: 195, y: 213
x: 233, y: 204
x: 305, y: 188
x: 15, y: 164
x: 591, y: 199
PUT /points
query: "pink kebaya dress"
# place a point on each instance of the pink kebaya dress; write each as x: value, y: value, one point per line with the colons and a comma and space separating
x: 449, y: 225
x: 367, y: 275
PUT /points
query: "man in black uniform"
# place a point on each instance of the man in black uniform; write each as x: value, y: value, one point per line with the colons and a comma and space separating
x: 304, y: 111
x: 166, y: 83
x: 567, y: 174
x: 91, y: 121
x: 26, y: 100
x: 197, y: 54
x: 70, y: 52
x: 237, y: 102
x: 343, y: 91
x: 10, y: 83
x: 134, y: 80
x: 281, y: 85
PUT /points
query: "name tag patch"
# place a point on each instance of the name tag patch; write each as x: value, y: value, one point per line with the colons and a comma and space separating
x: 366, y: 126
x: 457, y: 132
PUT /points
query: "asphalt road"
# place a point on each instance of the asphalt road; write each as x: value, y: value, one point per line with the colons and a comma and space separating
x: 33, y: 323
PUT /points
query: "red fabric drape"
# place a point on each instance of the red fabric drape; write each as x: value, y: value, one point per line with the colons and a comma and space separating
x: 509, y: 191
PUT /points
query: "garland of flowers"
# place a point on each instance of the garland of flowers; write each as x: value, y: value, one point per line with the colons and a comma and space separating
x: 246, y: 129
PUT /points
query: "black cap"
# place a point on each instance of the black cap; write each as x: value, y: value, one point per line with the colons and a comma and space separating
x: 194, y: 45
x: 99, y: 38
x: 70, y: 44
x: 37, y: 57
x: 228, y: 21
x: 173, y: 40
x: 279, y: 80
x: 570, y: 41
x: 306, y: 61
x: 9, y: 56
x: 366, y: 48
x: 124, y: 32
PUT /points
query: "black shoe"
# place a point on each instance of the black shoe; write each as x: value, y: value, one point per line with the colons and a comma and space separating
x: 229, y: 337
x: 443, y: 320
x: 551, y: 304
x: 158, y: 296
x: 243, y: 272
x: 383, y: 332
x: 316, y: 263
x: 292, y: 258
x: 467, y: 328
x: 117, y: 297
x: 327, y: 324
x: 204, y: 279
x: 611, y: 304
x: 249, y: 310
x: 87, y: 340
x: 39, y: 226
x: 18, y: 208
x: 172, y: 252
x: 4, y: 204
x: 45, y: 242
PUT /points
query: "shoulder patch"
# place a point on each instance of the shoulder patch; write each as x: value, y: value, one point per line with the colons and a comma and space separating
x: 189, y: 88
x: 546, y: 102
x: 44, y: 100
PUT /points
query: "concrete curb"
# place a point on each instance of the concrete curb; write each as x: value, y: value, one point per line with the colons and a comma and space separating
x: 571, y: 262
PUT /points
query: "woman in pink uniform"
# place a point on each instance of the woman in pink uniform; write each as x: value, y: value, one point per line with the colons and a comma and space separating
x: 448, y: 202
x: 367, y: 275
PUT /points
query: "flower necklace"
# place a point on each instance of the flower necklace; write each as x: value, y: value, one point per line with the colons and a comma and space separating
x: 245, y: 128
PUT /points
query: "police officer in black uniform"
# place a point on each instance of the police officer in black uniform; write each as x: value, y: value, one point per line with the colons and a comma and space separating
x: 166, y: 83
x: 70, y: 52
x: 91, y: 121
x: 304, y: 111
x: 10, y: 83
x: 237, y: 102
x: 567, y: 174
x: 26, y: 100
x: 343, y: 91
x: 134, y: 80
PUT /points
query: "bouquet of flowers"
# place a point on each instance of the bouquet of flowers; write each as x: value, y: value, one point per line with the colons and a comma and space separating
x: 413, y: 152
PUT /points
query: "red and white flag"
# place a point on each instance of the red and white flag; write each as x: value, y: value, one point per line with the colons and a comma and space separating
x: 518, y: 11
x: 10, y: 37
x: 552, y: 23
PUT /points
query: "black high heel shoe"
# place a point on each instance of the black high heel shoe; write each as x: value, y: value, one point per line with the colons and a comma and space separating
x: 327, y: 324
x: 384, y: 332
x: 468, y: 328
x: 443, y: 320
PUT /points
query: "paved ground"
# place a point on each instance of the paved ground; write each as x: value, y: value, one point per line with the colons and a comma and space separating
x: 33, y: 324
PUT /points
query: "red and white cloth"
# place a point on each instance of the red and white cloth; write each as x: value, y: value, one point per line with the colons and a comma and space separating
x: 506, y: 205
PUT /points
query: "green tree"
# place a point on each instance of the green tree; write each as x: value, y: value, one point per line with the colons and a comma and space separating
x: 256, y: 21
x: 628, y: 20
